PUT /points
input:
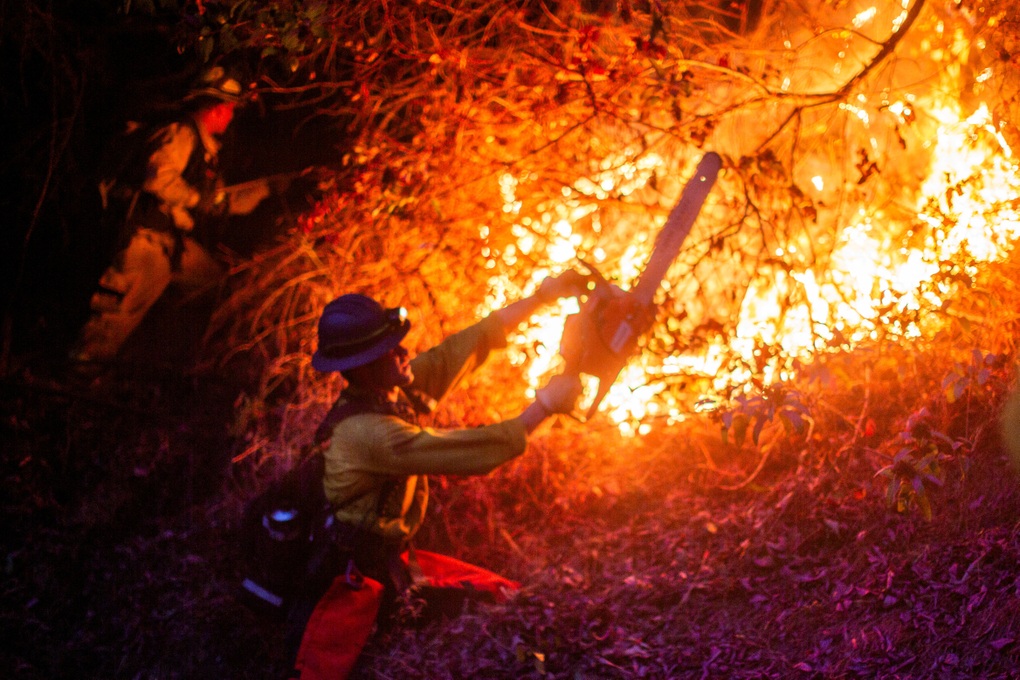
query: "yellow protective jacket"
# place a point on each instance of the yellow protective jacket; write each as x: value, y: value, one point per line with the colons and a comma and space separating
x: 168, y: 172
x: 184, y: 167
x: 376, y: 464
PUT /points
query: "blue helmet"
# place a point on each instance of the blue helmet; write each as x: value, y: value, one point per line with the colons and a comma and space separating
x: 355, y: 330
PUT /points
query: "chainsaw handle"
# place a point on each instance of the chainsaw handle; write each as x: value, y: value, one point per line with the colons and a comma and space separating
x: 594, y: 275
x: 579, y: 330
x: 570, y: 283
x: 601, y: 337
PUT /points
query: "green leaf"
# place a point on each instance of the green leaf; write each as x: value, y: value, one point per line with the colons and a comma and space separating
x: 758, y: 425
x: 315, y: 10
x: 238, y: 8
x: 228, y: 41
x: 291, y: 42
x: 793, y: 420
x: 892, y: 491
x: 205, y: 48
x: 925, y: 506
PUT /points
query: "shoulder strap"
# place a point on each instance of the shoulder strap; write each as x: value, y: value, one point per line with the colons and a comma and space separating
x: 199, y: 172
x: 340, y: 410
x: 352, y: 403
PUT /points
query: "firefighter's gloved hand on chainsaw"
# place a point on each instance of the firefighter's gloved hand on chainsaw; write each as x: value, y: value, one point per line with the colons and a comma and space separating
x: 560, y: 395
x: 568, y: 284
x: 213, y: 203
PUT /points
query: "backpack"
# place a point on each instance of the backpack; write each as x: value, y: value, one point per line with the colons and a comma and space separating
x: 288, y: 544
x: 286, y: 540
x: 124, y: 162
x: 291, y: 544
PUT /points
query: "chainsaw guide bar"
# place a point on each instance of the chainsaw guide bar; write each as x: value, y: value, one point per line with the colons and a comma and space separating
x: 598, y: 340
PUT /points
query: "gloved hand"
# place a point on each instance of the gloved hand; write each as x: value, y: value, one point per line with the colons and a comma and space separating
x: 560, y: 395
x: 214, y: 203
x: 568, y: 284
x: 245, y: 197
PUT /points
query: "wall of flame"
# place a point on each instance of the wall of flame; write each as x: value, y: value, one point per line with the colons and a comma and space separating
x: 897, y: 186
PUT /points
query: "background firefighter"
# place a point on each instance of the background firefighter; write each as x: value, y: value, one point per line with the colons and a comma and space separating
x: 378, y: 457
x: 170, y: 220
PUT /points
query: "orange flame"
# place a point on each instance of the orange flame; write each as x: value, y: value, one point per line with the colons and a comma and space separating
x: 972, y: 177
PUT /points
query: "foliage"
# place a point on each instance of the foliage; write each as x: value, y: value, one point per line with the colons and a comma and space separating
x: 121, y: 558
x: 974, y: 375
x: 777, y: 402
x: 478, y: 127
x: 917, y: 465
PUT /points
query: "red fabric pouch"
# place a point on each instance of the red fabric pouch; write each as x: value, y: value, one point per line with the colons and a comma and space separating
x: 338, y: 630
x: 441, y: 571
x: 345, y: 616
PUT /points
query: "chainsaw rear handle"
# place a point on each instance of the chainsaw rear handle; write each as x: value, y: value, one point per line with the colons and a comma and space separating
x: 602, y: 336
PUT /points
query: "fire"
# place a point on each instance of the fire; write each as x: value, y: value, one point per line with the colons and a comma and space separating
x: 968, y: 205
x: 877, y: 266
x: 972, y: 154
x: 553, y: 236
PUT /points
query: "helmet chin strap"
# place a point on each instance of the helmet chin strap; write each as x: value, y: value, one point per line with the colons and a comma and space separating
x: 371, y: 377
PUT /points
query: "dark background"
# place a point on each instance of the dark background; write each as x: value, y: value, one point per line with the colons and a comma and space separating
x: 71, y: 75
x: 112, y: 497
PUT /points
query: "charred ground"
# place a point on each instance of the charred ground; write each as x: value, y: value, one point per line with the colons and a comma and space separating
x: 676, y: 555
x: 638, y: 557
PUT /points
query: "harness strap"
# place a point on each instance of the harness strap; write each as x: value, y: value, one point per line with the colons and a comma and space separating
x: 352, y: 402
x: 350, y: 532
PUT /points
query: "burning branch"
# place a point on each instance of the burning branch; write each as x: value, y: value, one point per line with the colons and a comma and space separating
x: 888, y: 47
x: 507, y: 142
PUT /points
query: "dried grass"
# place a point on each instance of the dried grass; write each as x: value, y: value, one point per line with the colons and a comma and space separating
x: 677, y: 555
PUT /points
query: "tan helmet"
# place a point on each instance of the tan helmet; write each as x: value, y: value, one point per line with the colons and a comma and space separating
x: 216, y: 83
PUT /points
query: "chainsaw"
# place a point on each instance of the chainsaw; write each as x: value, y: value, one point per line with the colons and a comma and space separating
x: 602, y: 336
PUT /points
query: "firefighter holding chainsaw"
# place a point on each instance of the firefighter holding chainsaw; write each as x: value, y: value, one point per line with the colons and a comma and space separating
x: 166, y: 217
x: 378, y: 457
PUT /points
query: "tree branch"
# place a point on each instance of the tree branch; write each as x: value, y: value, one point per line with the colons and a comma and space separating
x: 887, y: 48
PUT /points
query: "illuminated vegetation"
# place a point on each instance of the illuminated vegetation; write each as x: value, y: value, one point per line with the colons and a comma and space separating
x: 868, y: 177
x: 800, y: 474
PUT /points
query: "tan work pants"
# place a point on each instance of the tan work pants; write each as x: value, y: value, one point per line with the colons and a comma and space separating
x: 132, y: 284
